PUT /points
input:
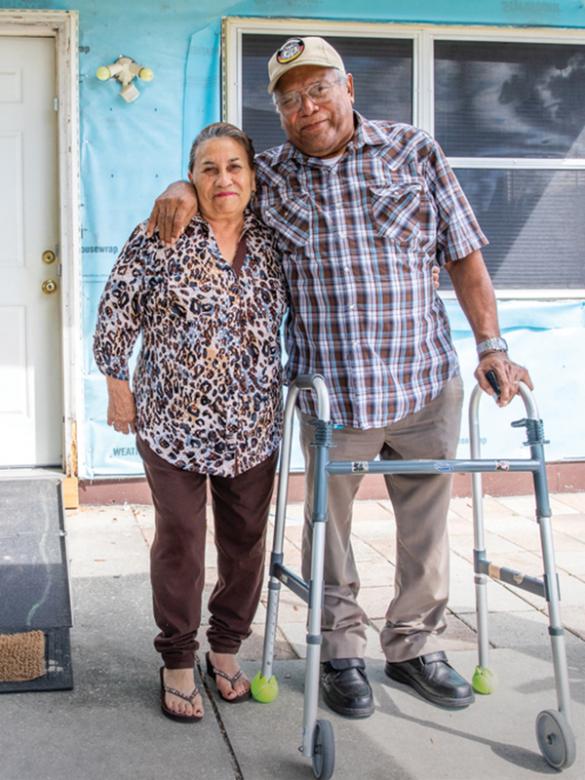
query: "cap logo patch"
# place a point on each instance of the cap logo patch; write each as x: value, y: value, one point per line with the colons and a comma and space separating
x: 292, y: 49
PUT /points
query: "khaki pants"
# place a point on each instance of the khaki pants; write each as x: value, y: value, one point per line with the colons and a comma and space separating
x: 415, y: 616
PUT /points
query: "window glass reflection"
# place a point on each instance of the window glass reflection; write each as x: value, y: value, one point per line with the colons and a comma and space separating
x: 534, y: 221
x: 510, y: 99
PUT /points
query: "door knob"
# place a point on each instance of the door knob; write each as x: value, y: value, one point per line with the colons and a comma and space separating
x: 49, y: 257
x: 49, y: 286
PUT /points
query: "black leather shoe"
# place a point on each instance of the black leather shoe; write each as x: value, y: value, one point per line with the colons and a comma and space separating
x: 346, y: 688
x: 434, y: 679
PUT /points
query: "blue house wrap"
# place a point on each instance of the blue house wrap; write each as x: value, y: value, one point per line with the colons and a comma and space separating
x: 130, y: 152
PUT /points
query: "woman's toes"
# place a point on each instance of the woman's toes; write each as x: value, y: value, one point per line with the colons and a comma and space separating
x: 228, y: 691
x: 228, y: 664
x: 176, y: 705
x: 241, y: 687
x: 182, y: 680
x: 195, y: 706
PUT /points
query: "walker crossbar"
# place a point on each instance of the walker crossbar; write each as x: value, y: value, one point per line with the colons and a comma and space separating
x: 509, y: 576
x: 292, y: 581
x: 554, y: 733
x: 429, y: 466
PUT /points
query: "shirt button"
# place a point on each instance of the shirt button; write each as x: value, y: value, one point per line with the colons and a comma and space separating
x: 352, y: 306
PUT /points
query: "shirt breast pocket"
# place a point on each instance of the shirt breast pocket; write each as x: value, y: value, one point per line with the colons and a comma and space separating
x: 290, y: 216
x: 396, y: 208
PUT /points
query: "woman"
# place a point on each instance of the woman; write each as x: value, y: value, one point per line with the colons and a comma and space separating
x: 205, y: 402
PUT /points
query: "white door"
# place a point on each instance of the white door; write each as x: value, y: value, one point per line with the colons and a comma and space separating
x: 31, y: 406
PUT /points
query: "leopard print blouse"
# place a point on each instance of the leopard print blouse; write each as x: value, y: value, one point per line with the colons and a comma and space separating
x: 207, y: 384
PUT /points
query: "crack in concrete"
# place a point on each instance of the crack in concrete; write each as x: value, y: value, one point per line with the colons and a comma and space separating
x: 238, y: 774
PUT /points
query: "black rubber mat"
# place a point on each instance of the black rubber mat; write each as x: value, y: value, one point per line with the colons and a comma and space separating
x: 34, y: 580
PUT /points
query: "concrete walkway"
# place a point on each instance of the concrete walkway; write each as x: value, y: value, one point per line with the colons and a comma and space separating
x: 110, y: 727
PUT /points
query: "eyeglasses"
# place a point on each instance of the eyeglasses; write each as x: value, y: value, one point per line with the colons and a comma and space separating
x: 317, y: 93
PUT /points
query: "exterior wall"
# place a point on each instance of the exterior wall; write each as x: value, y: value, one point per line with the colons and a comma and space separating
x: 129, y: 152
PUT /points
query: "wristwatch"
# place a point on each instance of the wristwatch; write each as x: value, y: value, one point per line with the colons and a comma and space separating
x: 496, y: 344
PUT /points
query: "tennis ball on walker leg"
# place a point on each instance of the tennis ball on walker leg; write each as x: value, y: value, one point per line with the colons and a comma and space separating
x: 484, y: 681
x: 263, y: 690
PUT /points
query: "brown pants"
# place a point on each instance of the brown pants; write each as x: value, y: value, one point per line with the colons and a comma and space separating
x: 416, y: 614
x: 177, y: 556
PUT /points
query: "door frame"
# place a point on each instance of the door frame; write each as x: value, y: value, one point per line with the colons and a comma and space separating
x: 63, y: 27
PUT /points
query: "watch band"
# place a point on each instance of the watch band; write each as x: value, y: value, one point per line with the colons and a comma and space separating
x: 496, y: 344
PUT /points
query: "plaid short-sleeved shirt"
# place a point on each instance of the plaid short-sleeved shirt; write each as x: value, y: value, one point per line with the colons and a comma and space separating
x: 358, y: 240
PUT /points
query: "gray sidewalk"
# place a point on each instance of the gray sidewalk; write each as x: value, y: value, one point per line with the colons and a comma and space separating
x: 110, y: 727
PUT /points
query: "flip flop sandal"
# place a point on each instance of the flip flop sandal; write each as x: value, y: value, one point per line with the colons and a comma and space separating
x: 174, y: 692
x: 214, y: 673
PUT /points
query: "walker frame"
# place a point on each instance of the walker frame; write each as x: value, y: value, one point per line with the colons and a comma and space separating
x: 553, y: 727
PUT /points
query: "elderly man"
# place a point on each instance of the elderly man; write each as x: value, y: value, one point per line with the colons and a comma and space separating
x: 363, y: 210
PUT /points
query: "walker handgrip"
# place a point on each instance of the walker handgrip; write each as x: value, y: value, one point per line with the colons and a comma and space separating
x: 493, y: 380
x: 306, y: 381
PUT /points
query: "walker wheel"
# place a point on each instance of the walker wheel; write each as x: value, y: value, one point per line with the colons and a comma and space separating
x: 555, y: 739
x: 323, y: 750
x: 263, y: 690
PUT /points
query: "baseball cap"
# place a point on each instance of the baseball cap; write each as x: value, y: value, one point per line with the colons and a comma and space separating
x: 302, y: 51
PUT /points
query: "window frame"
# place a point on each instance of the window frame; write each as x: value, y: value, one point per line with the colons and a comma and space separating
x: 423, y: 37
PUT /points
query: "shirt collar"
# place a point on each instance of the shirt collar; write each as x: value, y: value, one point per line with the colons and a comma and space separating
x: 251, y: 221
x: 367, y: 133
x: 284, y: 153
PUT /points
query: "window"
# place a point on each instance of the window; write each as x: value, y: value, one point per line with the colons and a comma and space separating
x: 506, y: 106
x: 502, y: 112
x: 510, y: 99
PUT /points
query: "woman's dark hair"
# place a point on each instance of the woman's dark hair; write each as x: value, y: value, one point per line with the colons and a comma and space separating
x: 222, y: 130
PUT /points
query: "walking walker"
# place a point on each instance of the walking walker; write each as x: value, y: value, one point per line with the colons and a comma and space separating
x: 553, y: 728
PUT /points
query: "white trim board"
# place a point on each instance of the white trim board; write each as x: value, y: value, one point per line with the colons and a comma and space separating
x: 63, y: 27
